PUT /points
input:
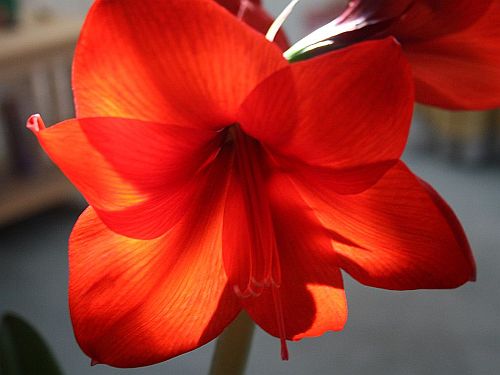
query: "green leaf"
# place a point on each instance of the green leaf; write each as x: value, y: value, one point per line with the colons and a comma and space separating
x: 23, y: 351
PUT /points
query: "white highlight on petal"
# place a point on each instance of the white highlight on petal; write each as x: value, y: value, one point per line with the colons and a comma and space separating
x: 318, y: 45
x: 320, y: 35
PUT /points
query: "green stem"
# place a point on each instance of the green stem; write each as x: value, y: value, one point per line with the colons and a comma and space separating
x: 233, y: 347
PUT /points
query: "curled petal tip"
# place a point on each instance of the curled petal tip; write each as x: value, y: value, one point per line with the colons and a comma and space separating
x: 35, y: 123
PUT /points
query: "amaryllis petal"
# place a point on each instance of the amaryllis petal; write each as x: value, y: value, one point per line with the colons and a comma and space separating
x: 452, y: 45
x: 323, y: 114
x: 396, y: 235
x: 188, y: 62
x: 139, y: 302
x: 139, y: 176
x: 428, y: 19
x: 311, y: 291
x: 453, y: 222
x: 460, y: 70
x: 252, y: 13
x: 412, y: 20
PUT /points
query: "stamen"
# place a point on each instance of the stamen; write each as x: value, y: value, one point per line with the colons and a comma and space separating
x: 247, y: 293
x: 261, y: 284
x: 257, y: 210
x: 263, y: 268
x: 244, y: 5
x: 280, y: 20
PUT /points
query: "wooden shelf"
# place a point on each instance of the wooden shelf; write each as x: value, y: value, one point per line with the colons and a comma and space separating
x: 37, y: 53
x: 21, y: 197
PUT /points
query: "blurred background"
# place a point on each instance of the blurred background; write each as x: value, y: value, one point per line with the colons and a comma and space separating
x: 418, y: 332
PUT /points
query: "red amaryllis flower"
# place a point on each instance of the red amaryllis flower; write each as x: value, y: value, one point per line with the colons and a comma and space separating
x: 222, y: 178
x: 452, y: 45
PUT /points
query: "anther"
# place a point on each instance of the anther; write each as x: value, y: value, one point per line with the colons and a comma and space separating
x: 247, y: 293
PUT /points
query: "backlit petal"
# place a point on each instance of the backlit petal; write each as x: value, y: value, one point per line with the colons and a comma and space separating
x: 139, y: 302
x: 412, y: 20
x: 398, y: 234
x: 428, y: 19
x: 347, y: 109
x: 139, y: 176
x: 460, y: 70
x: 187, y: 62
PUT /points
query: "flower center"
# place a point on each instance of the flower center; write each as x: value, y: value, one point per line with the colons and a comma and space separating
x: 261, y: 270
